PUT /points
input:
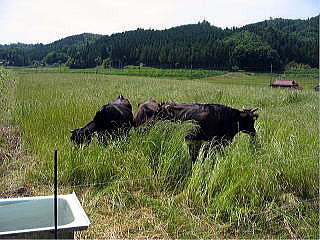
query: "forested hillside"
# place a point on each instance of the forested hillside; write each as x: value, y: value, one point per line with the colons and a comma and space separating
x: 253, y: 47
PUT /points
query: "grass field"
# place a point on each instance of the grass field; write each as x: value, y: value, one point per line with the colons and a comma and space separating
x: 145, y: 185
x: 128, y: 71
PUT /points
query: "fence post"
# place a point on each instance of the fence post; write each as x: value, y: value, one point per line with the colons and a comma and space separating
x: 55, y: 207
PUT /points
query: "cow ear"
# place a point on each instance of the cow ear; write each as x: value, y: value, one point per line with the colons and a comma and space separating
x: 72, y: 131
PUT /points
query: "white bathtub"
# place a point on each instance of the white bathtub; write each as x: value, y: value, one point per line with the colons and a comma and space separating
x: 33, y: 217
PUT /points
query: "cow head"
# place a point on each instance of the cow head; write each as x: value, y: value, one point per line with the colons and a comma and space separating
x: 80, y: 136
x: 123, y: 101
x: 246, y: 121
x: 146, y: 111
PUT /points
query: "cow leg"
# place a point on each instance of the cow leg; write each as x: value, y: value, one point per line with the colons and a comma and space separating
x: 194, y: 149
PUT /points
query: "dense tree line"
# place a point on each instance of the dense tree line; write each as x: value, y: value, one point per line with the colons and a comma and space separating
x: 253, y: 47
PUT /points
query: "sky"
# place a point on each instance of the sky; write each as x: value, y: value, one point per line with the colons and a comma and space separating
x: 45, y: 21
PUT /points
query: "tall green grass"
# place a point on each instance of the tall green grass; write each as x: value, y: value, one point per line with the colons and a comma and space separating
x: 252, y: 181
x: 7, y: 99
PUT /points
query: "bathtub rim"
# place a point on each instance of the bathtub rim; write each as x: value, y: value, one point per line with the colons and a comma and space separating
x: 80, y: 222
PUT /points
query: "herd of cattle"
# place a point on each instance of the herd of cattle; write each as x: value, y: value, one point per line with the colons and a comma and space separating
x: 216, y: 122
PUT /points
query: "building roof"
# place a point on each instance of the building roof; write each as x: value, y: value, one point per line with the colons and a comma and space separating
x: 283, y: 82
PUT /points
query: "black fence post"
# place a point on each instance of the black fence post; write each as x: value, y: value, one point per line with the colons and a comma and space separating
x: 55, y: 207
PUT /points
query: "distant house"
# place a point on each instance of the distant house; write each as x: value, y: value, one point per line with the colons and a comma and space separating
x: 285, y: 84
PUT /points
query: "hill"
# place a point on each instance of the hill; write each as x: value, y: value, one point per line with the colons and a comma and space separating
x: 252, y: 47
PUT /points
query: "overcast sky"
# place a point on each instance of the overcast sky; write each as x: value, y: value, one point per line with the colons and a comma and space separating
x: 44, y: 21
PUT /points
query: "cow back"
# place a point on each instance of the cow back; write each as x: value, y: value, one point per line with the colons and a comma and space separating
x: 215, y: 120
x: 113, y: 116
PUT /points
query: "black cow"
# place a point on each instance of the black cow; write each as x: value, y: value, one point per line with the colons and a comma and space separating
x: 218, y: 123
x: 112, y: 120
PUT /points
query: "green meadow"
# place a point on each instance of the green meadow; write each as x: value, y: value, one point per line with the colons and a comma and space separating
x: 144, y: 185
x: 129, y: 71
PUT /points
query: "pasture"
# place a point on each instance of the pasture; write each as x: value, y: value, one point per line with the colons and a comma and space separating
x: 145, y: 185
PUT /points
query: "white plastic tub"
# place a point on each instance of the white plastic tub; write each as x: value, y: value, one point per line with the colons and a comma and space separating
x: 33, y: 217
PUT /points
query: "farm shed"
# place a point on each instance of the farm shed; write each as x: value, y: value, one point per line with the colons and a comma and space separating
x: 286, y: 84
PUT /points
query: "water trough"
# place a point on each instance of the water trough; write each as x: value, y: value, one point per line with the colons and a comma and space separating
x: 32, y: 217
